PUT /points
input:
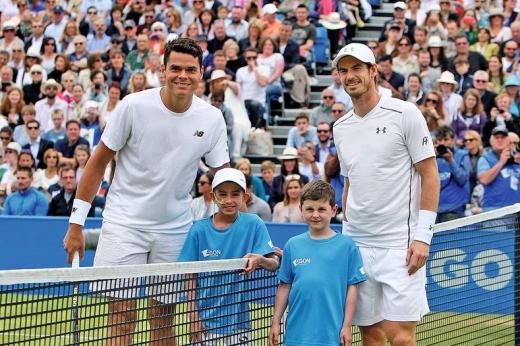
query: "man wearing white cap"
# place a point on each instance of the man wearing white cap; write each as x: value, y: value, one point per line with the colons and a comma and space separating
x: 269, y: 24
x: 390, y: 199
x: 407, y: 24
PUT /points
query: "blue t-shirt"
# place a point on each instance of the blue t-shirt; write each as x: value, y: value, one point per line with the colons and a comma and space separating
x: 222, y: 300
x: 319, y: 272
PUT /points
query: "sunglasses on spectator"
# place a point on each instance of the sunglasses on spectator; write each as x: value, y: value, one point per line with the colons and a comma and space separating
x: 469, y: 140
x: 36, y: 72
x: 33, y: 127
x: 5, y: 139
x: 78, y: 43
x: 434, y: 101
x: 52, y: 88
x: 91, y: 12
x: 403, y: 44
x: 328, y: 97
x: 337, y: 111
x: 8, y: 151
x: 17, y: 50
x: 322, y: 131
x: 250, y: 57
x: 480, y: 81
x: 52, y: 157
x: 8, y: 30
x: 50, y: 44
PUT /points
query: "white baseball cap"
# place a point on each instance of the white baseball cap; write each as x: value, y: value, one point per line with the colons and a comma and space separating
x: 269, y: 9
x: 400, y: 5
x: 229, y: 174
x: 357, y: 50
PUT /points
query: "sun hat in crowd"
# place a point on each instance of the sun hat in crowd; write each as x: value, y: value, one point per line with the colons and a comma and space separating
x: 447, y: 77
x: 269, y: 9
x: 435, y: 42
x: 400, y: 5
x: 50, y: 83
x: 512, y: 80
x: 289, y: 154
x: 333, y: 22
x: 218, y: 74
x: 14, y: 146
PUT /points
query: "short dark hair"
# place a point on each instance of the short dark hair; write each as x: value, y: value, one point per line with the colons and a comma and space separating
x: 65, y: 168
x: 72, y: 121
x: 302, y: 116
x: 251, y: 50
x: 386, y: 57
x: 7, y: 129
x: 445, y: 132
x: 302, y: 6
x: 318, y: 190
x: 25, y: 169
x: 183, y: 45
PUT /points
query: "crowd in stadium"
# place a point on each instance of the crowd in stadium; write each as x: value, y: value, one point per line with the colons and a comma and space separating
x: 65, y: 65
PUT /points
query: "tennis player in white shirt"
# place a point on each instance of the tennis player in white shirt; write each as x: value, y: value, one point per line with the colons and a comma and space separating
x: 390, y: 199
x: 159, y: 136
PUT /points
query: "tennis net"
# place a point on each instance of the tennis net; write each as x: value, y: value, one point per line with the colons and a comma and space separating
x: 157, y: 304
x: 472, y: 288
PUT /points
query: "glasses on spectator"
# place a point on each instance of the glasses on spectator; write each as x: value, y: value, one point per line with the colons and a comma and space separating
x: 9, y: 151
x: 292, y: 177
x: 91, y: 12
x: 510, y: 48
x: 480, y: 81
x: 51, y: 88
x: 157, y: 30
x: 36, y: 72
x: 37, y: 26
x: 78, y: 43
x: 434, y: 101
x: 17, y: 50
x: 198, y: 2
x: 404, y: 44
x: 50, y: 44
x: 337, y: 111
x: 148, y: 17
x: 322, y: 131
x: 250, y: 57
x: 33, y: 127
x: 8, y: 30
x: 461, y: 43
x: 5, y: 139
x: 52, y: 157
x: 328, y: 97
x: 469, y: 140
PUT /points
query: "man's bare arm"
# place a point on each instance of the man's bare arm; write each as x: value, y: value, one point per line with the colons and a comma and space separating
x: 214, y: 170
x: 344, y: 199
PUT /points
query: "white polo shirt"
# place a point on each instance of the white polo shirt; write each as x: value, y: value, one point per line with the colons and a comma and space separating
x: 377, y: 153
x: 158, y: 156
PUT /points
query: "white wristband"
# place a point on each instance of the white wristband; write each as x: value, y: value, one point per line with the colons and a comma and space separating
x: 424, y: 231
x: 79, y: 212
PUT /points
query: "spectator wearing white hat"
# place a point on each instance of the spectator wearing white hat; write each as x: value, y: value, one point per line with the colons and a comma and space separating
x: 44, y: 107
x: 499, y: 32
x: 90, y: 126
x: 269, y: 24
x: 451, y: 100
x: 407, y: 25
x: 6, y: 43
x: 334, y: 26
x: 32, y: 92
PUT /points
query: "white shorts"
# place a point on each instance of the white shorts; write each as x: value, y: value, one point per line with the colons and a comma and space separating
x: 389, y: 292
x: 119, y: 245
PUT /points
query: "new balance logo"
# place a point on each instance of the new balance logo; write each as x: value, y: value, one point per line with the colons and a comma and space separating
x: 381, y: 130
x: 198, y: 133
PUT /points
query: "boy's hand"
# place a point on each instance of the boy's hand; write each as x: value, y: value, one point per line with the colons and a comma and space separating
x: 274, y: 333
x: 345, y: 336
x: 253, y: 263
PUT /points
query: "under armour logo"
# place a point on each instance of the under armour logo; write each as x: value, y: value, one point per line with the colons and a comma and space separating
x: 425, y: 141
x: 74, y: 209
x: 381, y: 130
x: 198, y: 133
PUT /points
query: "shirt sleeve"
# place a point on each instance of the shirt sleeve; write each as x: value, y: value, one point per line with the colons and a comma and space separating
x: 356, y: 272
x: 189, y: 250
x: 263, y: 244
x: 285, y: 273
x: 219, y: 152
x: 416, y: 135
x: 119, y: 127
x: 482, y: 166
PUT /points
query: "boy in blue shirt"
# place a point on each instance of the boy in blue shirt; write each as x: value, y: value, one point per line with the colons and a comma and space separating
x: 318, y: 276
x: 220, y: 311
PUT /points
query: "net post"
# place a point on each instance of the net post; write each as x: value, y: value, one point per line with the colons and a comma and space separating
x: 75, y: 314
x: 517, y: 277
